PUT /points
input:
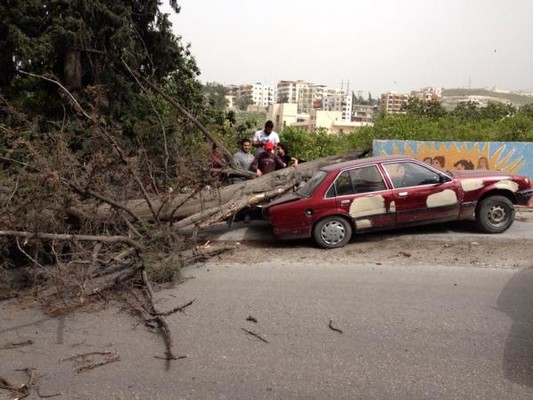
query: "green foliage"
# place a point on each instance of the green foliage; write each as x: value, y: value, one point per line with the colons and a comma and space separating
x: 215, y: 93
x: 243, y: 102
x: 309, y: 146
x: 431, y: 109
x: 83, y: 44
x: 468, y: 122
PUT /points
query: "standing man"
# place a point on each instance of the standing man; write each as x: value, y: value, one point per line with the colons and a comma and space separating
x: 266, y: 135
x: 243, y: 158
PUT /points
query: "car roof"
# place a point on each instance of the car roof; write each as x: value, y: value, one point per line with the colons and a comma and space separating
x: 363, y: 161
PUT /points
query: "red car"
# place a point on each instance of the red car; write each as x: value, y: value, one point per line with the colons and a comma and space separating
x: 388, y: 192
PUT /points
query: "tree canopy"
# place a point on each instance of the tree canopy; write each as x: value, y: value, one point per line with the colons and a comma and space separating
x: 98, y: 52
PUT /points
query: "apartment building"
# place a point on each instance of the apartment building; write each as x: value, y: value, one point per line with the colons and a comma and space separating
x: 363, y: 113
x: 259, y: 95
x: 393, y: 102
x: 295, y: 92
x: 307, y: 96
x: 339, y: 102
x: 288, y: 91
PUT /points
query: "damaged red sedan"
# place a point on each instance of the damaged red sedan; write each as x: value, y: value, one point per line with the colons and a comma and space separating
x: 388, y: 192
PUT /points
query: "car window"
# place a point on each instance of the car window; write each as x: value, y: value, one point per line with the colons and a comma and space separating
x: 408, y: 174
x: 358, y: 180
x: 343, y: 184
x: 367, y: 179
x: 309, y: 188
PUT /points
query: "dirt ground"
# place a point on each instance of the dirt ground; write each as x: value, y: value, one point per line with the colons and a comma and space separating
x: 402, y: 252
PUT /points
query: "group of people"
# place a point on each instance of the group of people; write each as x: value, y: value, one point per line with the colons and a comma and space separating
x: 270, y: 154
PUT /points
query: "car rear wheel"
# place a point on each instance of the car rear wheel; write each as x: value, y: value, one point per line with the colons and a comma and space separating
x: 495, y: 214
x: 332, y: 232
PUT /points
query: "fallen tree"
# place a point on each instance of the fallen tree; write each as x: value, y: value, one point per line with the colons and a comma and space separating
x: 78, y: 226
x: 213, y: 204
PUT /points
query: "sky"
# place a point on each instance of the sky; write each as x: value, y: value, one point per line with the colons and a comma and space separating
x: 369, y: 46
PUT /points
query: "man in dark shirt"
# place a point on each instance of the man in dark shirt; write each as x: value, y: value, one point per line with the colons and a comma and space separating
x: 266, y: 161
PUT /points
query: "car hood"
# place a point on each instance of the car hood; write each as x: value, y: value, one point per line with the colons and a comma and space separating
x: 286, y: 198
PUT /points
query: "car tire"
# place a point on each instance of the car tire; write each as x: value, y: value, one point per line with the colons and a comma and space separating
x: 495, y: 214
x: 332, y: 232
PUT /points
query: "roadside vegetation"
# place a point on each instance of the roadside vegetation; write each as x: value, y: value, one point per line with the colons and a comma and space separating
x: 422, y: 121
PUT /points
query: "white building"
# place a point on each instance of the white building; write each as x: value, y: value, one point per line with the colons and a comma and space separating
x: 308, y: 96
x: 339, y: 102
x: 260, y: 95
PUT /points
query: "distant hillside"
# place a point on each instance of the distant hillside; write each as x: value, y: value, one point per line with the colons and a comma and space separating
x: 451, y: 97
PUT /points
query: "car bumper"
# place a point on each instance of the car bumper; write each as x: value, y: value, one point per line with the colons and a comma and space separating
x: 523, y: 197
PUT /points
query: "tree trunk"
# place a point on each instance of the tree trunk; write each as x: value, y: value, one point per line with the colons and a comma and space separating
x: 72, y: 69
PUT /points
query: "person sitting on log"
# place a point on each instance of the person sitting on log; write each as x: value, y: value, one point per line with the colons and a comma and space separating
x: 282, y: 151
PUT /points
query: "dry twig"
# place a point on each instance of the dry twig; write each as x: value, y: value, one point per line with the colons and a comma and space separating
x: 86, y: 361
x: 333, y: 328
x: 16, y: 345
x: 255, y: 335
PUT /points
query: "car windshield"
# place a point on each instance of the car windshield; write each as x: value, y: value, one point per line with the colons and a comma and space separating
x: 309, y: 188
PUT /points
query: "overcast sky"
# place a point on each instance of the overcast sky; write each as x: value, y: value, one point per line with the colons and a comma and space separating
x: 375, y: 45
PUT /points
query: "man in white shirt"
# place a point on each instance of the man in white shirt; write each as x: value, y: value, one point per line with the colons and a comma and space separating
x: 263, y: 136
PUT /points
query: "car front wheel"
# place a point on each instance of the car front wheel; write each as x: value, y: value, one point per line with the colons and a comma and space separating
x: 332, y: 232
x: 495, y: 214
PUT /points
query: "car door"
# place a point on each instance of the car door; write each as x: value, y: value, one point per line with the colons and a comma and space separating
x: 421, y: 194
x: 363, y: 195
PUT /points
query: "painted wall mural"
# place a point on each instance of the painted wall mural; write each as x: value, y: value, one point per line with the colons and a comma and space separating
x: 512, y: 157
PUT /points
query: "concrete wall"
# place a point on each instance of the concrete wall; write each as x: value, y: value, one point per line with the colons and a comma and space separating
x: 511, y: 157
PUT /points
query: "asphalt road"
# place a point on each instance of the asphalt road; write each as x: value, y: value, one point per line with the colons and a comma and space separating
x: 428, y: 332
x: 341, y: 331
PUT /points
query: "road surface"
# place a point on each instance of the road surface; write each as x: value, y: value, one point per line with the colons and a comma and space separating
x: 286, y: 328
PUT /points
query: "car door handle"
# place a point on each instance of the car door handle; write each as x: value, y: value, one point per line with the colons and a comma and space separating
x: 403, y: 194
x: 346, y: 201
